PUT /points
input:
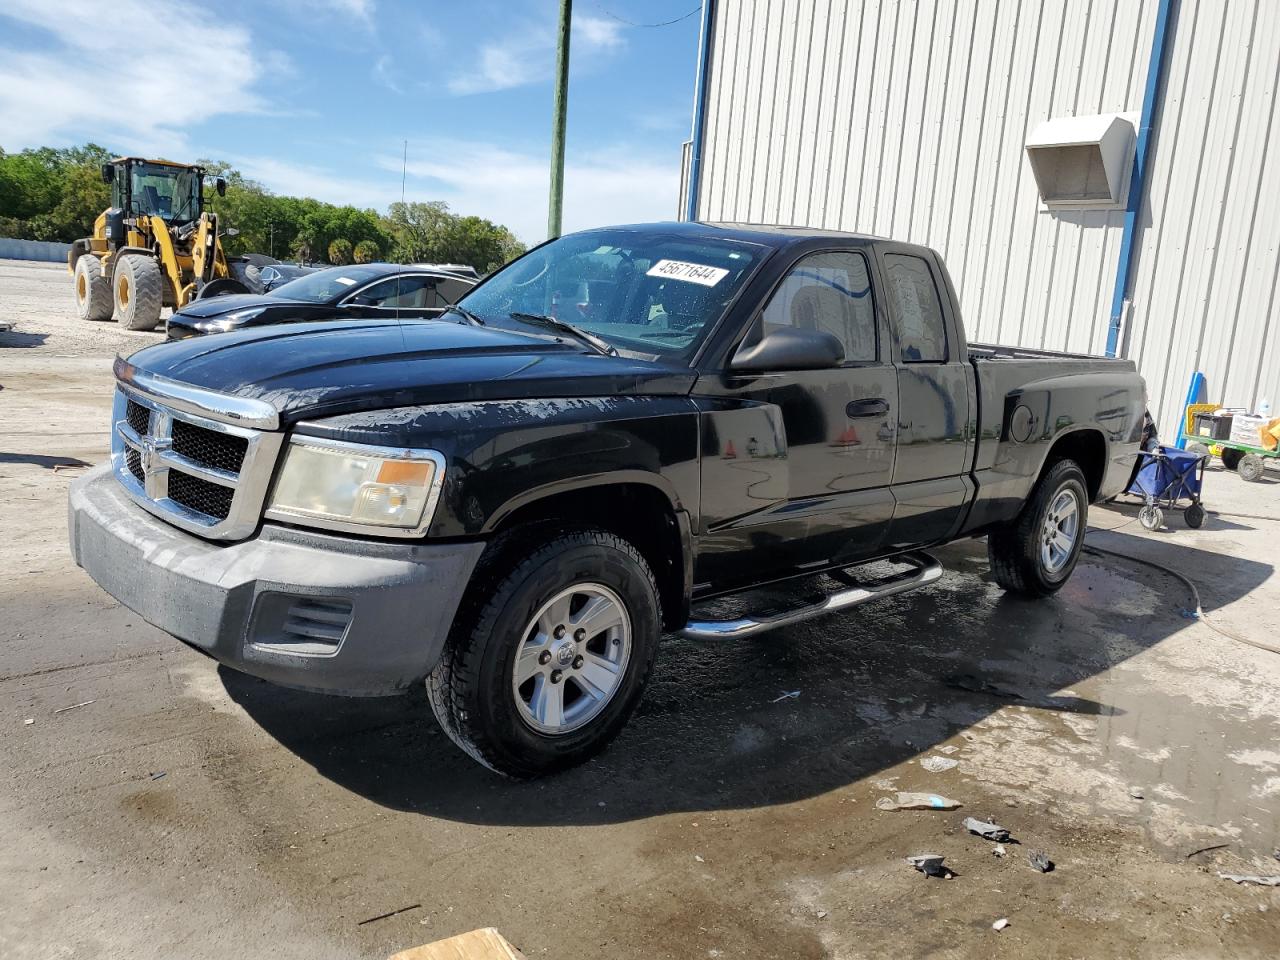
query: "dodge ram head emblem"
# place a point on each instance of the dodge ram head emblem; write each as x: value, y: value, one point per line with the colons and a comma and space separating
x: 155, y: 473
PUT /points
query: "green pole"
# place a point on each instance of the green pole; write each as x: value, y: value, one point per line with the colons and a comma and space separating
x: 560, y: 109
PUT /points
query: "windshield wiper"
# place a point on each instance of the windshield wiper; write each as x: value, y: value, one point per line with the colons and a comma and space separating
x: 564, y: 326
x: 470, y: 317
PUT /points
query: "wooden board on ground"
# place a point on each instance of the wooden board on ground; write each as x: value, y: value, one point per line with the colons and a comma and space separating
x: 486, y: 944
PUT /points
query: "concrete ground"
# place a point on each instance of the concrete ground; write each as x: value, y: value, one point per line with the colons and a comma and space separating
x: 156, y: 805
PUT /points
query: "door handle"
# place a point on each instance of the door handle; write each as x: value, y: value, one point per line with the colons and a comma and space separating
x: 875, y: 407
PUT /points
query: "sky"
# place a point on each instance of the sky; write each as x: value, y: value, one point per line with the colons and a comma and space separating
x: 317, y: 97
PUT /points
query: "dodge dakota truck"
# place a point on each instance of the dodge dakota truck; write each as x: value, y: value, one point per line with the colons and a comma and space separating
x: 513, y: 503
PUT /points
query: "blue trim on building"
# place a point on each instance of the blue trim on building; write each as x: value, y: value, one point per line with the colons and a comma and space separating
x: 700, y: 109
x: 1138, y: 181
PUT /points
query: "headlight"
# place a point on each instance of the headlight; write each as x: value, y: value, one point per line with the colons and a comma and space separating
x: 229, y: 321
x: 349, y: 486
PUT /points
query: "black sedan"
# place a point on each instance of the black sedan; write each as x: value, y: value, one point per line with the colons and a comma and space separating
x: 337, y: 293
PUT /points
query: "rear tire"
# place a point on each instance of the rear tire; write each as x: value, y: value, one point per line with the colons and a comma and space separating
x: 1035, y: 553
x: 93, y: 291
x: 139, y: 292
x: 1194, y: 515
x: 500, y: 657
x: 1231, y: 457
x: 1251, y: 467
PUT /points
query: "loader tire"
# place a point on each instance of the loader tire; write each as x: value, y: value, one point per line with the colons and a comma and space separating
x: 93, y: 291
x: 139, y: 292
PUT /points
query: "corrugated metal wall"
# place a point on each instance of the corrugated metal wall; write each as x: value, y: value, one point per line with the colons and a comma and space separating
x: 907, y: 118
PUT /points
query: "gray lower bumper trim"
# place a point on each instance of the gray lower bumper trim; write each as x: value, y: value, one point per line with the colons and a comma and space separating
x: 225, y: 599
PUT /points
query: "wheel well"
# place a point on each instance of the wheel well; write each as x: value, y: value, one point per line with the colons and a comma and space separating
x: 636, y: 512
x: 1089, y: 450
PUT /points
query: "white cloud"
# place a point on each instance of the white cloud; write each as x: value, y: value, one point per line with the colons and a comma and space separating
x: 528, y: 56
x: 359, y: 9
x: 77, y: 90
x: 617, y: 185
x: 382, y: 74
x: 596, y: 32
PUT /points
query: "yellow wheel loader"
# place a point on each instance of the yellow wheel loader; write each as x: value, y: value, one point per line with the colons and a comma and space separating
x: 155, y: 247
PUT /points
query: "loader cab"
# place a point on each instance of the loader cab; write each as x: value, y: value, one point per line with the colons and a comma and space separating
x: 172, y: 192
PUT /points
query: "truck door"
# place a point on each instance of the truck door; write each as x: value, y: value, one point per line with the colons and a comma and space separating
x: 930, y: 482
x: 800, y: 474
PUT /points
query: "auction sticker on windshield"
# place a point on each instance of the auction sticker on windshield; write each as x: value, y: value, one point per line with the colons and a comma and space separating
x: 689, y: 272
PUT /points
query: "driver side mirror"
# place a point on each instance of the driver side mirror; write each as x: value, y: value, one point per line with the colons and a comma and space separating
x: 789, y: 349
x: 108, y: 173
x: 221, y: 186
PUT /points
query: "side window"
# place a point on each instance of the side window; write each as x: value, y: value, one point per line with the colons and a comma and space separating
x: 921, y: 327
x: 831, y: 292
x: 403, y: 292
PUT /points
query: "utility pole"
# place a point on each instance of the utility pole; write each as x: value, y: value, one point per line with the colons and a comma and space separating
x: 560, y: 109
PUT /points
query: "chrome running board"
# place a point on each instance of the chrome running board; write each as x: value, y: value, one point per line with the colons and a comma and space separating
x: 925, y: 570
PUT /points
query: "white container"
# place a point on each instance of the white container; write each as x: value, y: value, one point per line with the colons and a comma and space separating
x: 1245, y: 427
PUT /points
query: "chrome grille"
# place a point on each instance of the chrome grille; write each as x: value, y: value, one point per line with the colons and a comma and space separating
x: 198, y: 473
x: 224, y: 451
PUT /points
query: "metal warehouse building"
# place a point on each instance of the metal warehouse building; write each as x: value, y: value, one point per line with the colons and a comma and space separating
x: 1012, y: 137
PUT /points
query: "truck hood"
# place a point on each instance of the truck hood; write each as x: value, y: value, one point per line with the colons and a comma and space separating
x: 309, y: 370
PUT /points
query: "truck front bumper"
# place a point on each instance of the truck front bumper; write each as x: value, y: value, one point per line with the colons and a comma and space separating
x: 306, y: 610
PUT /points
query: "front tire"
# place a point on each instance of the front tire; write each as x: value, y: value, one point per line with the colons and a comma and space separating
x: 1035, y: 554
x: 93, y: 292
x: 550, y: 651
x: 139, y: 292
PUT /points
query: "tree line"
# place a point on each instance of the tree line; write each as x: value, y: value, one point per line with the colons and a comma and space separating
x: 51, y: 193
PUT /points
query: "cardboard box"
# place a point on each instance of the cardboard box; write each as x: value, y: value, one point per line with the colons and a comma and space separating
x: 1247, y: 429
x: 485, y: 944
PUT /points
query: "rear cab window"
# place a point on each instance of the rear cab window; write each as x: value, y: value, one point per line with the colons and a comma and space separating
x: 913, y: 296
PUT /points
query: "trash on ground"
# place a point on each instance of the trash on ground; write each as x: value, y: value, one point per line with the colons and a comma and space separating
x: 985, y: 830
x: 1249, y: 878
x: 484, y: 944
x: 1000, y: 924
x: 938, y: 764
x: 917, y: 801
x: 967, y: 681
x: 787, y: 695
x: 1040, y: 861
x: 1215, y: 846
x: 75, y: 706
x: 158, y: 774
x: 1135, y: 792
x: 930, y: 864
x: 949, y: 748
x: 698, y: 857
x: 998, y: 850
x: 393, y: 913
x: 29, y: 721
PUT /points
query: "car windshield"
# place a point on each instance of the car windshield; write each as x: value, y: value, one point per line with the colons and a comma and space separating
x: 648, y: 293
x: 162, y: 191
x: 325, y: 286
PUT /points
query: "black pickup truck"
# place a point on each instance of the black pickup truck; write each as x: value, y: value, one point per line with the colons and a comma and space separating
x: 515, y: 501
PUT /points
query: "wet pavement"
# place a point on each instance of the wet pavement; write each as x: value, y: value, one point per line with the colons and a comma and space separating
x: 186, y: 810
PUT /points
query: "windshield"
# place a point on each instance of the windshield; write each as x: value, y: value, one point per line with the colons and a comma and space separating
x: 643, y: 292
x: 169, y: 192
x: 324, y: 286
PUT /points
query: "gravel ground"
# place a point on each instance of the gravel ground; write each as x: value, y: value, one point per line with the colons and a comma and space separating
x: 157, y: 805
